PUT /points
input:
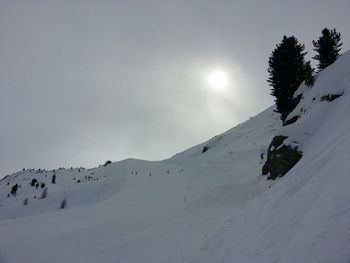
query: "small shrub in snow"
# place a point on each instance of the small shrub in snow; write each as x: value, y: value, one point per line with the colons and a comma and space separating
x: 53, y: 180
x: 33, y: 182
x: 107, y: 163
x: 44, y: 193
x: 14, y: 189
x: 42, y: 185
x: 205, y: 148
x: 63, y: 204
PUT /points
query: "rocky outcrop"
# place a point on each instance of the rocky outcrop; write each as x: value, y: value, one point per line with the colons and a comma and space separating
x: 280, y: 158
x: 291, y: 120
x: 205, y: 148
x: 331, y: 97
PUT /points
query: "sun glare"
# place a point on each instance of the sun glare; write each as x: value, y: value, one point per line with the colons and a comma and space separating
x: 218, y: 79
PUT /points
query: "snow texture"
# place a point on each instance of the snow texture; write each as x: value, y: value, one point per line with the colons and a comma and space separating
x: 211, y: 206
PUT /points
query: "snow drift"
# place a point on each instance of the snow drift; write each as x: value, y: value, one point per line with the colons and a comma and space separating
x: 208, y: 205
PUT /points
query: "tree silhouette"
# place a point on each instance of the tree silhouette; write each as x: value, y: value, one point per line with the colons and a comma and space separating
x: 327, y: 47
x: 287, y: 70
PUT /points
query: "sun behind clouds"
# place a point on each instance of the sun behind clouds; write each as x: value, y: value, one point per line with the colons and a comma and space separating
x: 218, y: 79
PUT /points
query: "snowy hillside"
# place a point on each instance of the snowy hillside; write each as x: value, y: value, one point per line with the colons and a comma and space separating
x: 209, y: 203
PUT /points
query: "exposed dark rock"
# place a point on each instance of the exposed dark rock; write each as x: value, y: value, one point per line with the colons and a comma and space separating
x: 262, y: 156
x: 14, y: 189
x: 107, y: 163
x: 205, y: 148
x: 291, y: 120
x: 331, y: 97
x: 280, y: 158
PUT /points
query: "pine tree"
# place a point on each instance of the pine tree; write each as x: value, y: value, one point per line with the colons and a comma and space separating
x: 309, y: 74
x: 327, y: 47
x: 287, y: 70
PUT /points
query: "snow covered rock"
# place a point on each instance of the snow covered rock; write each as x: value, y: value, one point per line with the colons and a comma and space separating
x: 280, y: 158
x: 312, y: 104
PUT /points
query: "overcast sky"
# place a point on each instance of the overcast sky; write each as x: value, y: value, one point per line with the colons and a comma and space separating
x: 82, y: 82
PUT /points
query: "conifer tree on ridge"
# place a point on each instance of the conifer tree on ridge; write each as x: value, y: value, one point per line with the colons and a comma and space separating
x: 327, y: 47
x: 287, y: 70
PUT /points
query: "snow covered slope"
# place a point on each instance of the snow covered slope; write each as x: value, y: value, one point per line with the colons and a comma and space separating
x: 206, y: 204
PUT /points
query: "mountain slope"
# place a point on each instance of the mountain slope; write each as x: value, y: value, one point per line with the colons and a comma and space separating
x: 206, y: 204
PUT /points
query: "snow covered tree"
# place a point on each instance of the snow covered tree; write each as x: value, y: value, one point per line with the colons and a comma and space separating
x: 287, y: 70
x: 327, y: 47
